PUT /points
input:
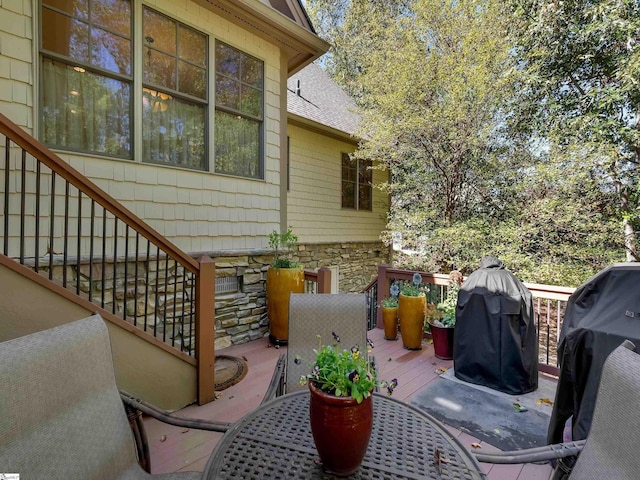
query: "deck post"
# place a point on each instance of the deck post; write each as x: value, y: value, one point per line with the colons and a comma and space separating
x: 205, y: 329
x: 324, y: 280
x: 383, y: 292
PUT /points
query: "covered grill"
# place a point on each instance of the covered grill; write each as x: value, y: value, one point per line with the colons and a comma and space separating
x: 495, y: 341
x: 600, y: 315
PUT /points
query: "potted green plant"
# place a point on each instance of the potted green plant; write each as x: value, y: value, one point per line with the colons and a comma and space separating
x: 442, y: 328
x: 432, y: 314
x: 411, y: 310
x: 390, y: 313
x: 284, y: 276
x: 340, y: 408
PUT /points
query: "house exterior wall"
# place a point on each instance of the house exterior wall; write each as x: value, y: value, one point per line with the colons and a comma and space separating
x: 314, y: 202
x: 196, y: 210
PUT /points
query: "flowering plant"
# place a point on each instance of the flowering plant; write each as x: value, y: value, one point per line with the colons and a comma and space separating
x: 391, y: 301
x: 344, y: 372
x: 415, y: 288
x: 447, y: 307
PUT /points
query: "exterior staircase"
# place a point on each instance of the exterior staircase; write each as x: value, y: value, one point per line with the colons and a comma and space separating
x: 68, y: 250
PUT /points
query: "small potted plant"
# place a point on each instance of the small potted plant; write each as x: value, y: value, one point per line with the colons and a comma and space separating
x: 284, y: 276
x: 340, y: 408
x: 432, y: 314
x: 411, y: 311
x: 390, y: 313
x: 442, y: 328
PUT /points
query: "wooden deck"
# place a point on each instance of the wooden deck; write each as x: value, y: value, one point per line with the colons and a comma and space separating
x: 175, y: 449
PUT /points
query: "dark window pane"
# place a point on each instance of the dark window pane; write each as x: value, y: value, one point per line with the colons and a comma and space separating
x: 364, y: 197
x: 192, y: 46
x: 192, y: 80
x: 110, y: 52
x: 112, y: 15
x: 65, y: 36
x: 85, y: 112
x: 227, y: 92
x: 348, y: 195
x: 174, y: 130
x: 159, y: 32
x: 251, y: 101
x: 252, y: 71
x: 237, y: 143
x: 75, y: 8
x: 228, y: 61
x: 159, y: 69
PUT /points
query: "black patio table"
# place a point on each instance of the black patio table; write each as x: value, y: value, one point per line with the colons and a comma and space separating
x: 275, y: 441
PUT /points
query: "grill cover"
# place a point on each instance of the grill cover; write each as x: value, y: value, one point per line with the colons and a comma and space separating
x: 495, y: 341
x: 600, y: 315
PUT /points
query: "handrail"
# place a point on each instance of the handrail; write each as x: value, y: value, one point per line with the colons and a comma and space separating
x: 82, y: 183
x: 161, y: 291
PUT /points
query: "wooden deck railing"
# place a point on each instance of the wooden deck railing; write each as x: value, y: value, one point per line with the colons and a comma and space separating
x: 68, y: 230
x: 550, y: 302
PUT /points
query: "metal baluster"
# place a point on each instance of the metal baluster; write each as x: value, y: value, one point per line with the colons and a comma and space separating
x: 23, y: 186
x: 146, y: 288
x: 155, y: 308
x: 126, y: 270
x: 104, y: 252
x: 135, y: 294
x: 65, y: 237
x: 6, y: 195
x: 115, y: 262
x: 175, y: 295
x: 79, y: 242
x: 37, y: 244
x: 166, y: 279
x: 91, y: 239
x: 51, y: 222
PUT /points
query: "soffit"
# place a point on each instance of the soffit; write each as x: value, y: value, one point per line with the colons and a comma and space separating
x: 300, y: 45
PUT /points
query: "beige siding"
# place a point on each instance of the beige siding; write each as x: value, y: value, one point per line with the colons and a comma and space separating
x: 314, y: 200
x: 199, y: 211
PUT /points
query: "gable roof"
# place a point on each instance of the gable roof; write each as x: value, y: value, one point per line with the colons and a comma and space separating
x: 312, y: 96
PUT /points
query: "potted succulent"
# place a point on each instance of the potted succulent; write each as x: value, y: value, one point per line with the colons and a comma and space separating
x: 442, y: 328
x: 390, y: 313
x: 340, y: 408
x: 284, y: 276
x: 411, y: 311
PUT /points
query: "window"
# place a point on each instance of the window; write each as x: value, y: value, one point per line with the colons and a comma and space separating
x: 174, y: 94
x: 238, y: 117
x: 356, y: 183
x: 86, y: 76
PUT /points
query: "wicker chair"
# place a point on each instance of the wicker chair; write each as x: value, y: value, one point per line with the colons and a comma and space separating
x: 310, y: 316
x: 62, y: 414
x: 611, y: 448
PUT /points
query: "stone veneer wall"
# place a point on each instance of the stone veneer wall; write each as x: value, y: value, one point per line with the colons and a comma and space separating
x: 241, y: 316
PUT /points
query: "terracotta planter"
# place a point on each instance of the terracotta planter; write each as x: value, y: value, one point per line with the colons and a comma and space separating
x: 443, y: 341
x: 281, y: 282
x: 411, y: 311
x: 341, y: 428
x: 390, y: 320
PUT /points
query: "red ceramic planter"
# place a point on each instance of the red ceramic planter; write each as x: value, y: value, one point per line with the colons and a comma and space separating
x: 341, y: 428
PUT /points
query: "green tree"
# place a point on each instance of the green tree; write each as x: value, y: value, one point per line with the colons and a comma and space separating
x: 580, y: 91
x: 431, y: 78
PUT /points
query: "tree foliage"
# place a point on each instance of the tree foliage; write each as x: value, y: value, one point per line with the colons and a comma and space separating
x: 581, y: 90
x: 487, y: 154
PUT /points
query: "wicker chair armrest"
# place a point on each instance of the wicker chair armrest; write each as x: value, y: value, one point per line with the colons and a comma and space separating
x: 276, y: 387
x: 538, y: 454
x: 171, y: 419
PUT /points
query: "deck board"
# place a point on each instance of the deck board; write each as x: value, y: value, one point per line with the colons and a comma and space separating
x: 177, y: 449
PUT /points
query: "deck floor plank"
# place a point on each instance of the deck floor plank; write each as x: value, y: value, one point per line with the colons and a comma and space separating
x: 176, y: 449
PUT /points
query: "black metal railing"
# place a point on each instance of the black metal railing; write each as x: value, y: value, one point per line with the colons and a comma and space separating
x: 65, y: 228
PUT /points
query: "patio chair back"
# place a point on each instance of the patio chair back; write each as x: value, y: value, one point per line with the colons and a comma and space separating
x: 61, y: 413
x: 311, y: 315
x: 611, y: 448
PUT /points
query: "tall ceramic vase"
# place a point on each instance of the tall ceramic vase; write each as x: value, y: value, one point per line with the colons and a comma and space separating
x: 341, y: 428
x: 390, y: 322
x: 281, y: 283
x: 411, y: 311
